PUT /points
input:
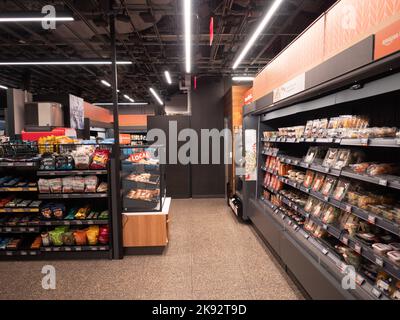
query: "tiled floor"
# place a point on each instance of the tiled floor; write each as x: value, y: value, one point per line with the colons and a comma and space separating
x: 210, y: 256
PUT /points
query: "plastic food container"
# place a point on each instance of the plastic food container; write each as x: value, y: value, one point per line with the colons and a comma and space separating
x: 395, y: 246
x: 381, y: 249
x: 394, y: 256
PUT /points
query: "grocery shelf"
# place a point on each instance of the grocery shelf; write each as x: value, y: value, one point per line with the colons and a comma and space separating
x: 73, y: 222
x: 361, y: 213
x: 325, y: 252
x: 365, y: 142
x: 357, y: 245
x: 75, y: 248
x: 18, y: 189
x: 71, y: 195
x: 27, y: 229
x: 19, y: 252
x: 382, y: 180
x: 30, y: 164
x: 70, y: 172
x: 19, y: 210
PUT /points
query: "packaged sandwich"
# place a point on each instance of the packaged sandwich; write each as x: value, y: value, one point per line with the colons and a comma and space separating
x: 330, y: 158
x: 318, y: 182
x: 328, y: 186
x: 309, y: 178
x: 341, y: 189
x: 343, y: 159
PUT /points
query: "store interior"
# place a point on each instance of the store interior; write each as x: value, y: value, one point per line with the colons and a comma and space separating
x: 200, y: 150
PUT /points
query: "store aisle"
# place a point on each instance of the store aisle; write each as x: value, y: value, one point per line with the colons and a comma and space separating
x: 210, y: 256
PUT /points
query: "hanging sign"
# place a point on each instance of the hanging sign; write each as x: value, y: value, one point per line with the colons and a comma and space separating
x: 387, y: 41
x: 250, y: 141
x: 76, y: 112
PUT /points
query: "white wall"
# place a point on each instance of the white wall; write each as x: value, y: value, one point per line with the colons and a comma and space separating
x: 20, y: 97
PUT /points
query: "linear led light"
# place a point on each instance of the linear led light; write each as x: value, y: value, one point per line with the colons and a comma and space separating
x: 156, y: 96
x: 3, y: 87
x: 243, y: 78
x: 128, y: 98
x: 257, y: 32
x: 41, y: 63
x: 121, y: 104
x: 187, y: 7
x: 168, y: 77
x: 35, y: 19
x: 107, y: 84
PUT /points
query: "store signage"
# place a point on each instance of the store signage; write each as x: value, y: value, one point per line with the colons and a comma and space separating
x: 211, y: 30
x: 125, y: 139
x: 136, y: 157
x: 387, y: 41
x: 250, y: 139
x: 248, y: 97
x: 290, y: 88
x: 76, y: 112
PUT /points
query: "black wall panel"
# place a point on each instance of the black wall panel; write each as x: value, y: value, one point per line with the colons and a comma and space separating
x: 177, y: 175
x: 208, y: 113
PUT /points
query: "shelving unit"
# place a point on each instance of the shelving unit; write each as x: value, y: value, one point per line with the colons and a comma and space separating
x: 26, y: 222
x: 300, y: 251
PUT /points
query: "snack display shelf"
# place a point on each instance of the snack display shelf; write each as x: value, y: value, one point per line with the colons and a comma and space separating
x: 360, y: 213
x: 19, y: 252
x: 30, y: 164
x: 351, y: 242
x: 335, y: 263
x: 365, y: 142
x: 71, y: 195
x: 74, y: 222
x: 18, y: 189
x: 43, y: 173
x: 26, y: 229
x: 75, y: 248
x: 19, y: 210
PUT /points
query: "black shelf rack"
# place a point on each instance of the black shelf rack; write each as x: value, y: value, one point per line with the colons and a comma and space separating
x: 32, y: 227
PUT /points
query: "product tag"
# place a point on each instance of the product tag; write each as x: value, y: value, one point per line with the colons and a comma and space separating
x: 93, y: 248
x: 324, y: 251
x: 295, y: 208
x: 383, y: 182
x: 295, y: 227
x: 371, y: 219
x: 9, y: 253
x: 364, y: 142
x: 327, y: 170
x: 56, y: 249
x: 326, y: 198
x: 345, y: 241
x: 306, y: 235
x: 78, y: 249
x: 325, y: 226
x: 379, y: 261
x: 357, y: 248
x: 359, y: 280
x: 283, y: 217
x: 348, y: 208
x: 7, y: 229
x: 68, y: 249
x: 290, y: 222
x: 31, y: 229
x: 22, y: 229
x: 66, y: 223
x: 24, y: 253
x: 307, y: 215
x: 296, y: 162
x: 288, y: 161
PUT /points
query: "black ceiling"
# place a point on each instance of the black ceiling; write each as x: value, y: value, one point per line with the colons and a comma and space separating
x: 150, y: 34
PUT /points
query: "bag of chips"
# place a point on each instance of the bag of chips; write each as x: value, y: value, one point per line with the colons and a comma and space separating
x: 91, y: 184
x: 80, y: 237
x: 100, y: 159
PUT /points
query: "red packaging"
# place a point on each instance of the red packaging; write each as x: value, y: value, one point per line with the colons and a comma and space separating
x: 100, y: 159
x: 104, y: 235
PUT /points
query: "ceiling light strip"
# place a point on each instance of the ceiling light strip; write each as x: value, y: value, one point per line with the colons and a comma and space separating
x: 267, y: 18
x: 35, y: 19
x: 168, y: 77
x: 154, y: 93
x: 41, y: 63
x: 187, y: 7
x: 3, y: 87
x: 121, y: 104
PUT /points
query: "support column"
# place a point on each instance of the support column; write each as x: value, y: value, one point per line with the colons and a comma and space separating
x: 115, y: 163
